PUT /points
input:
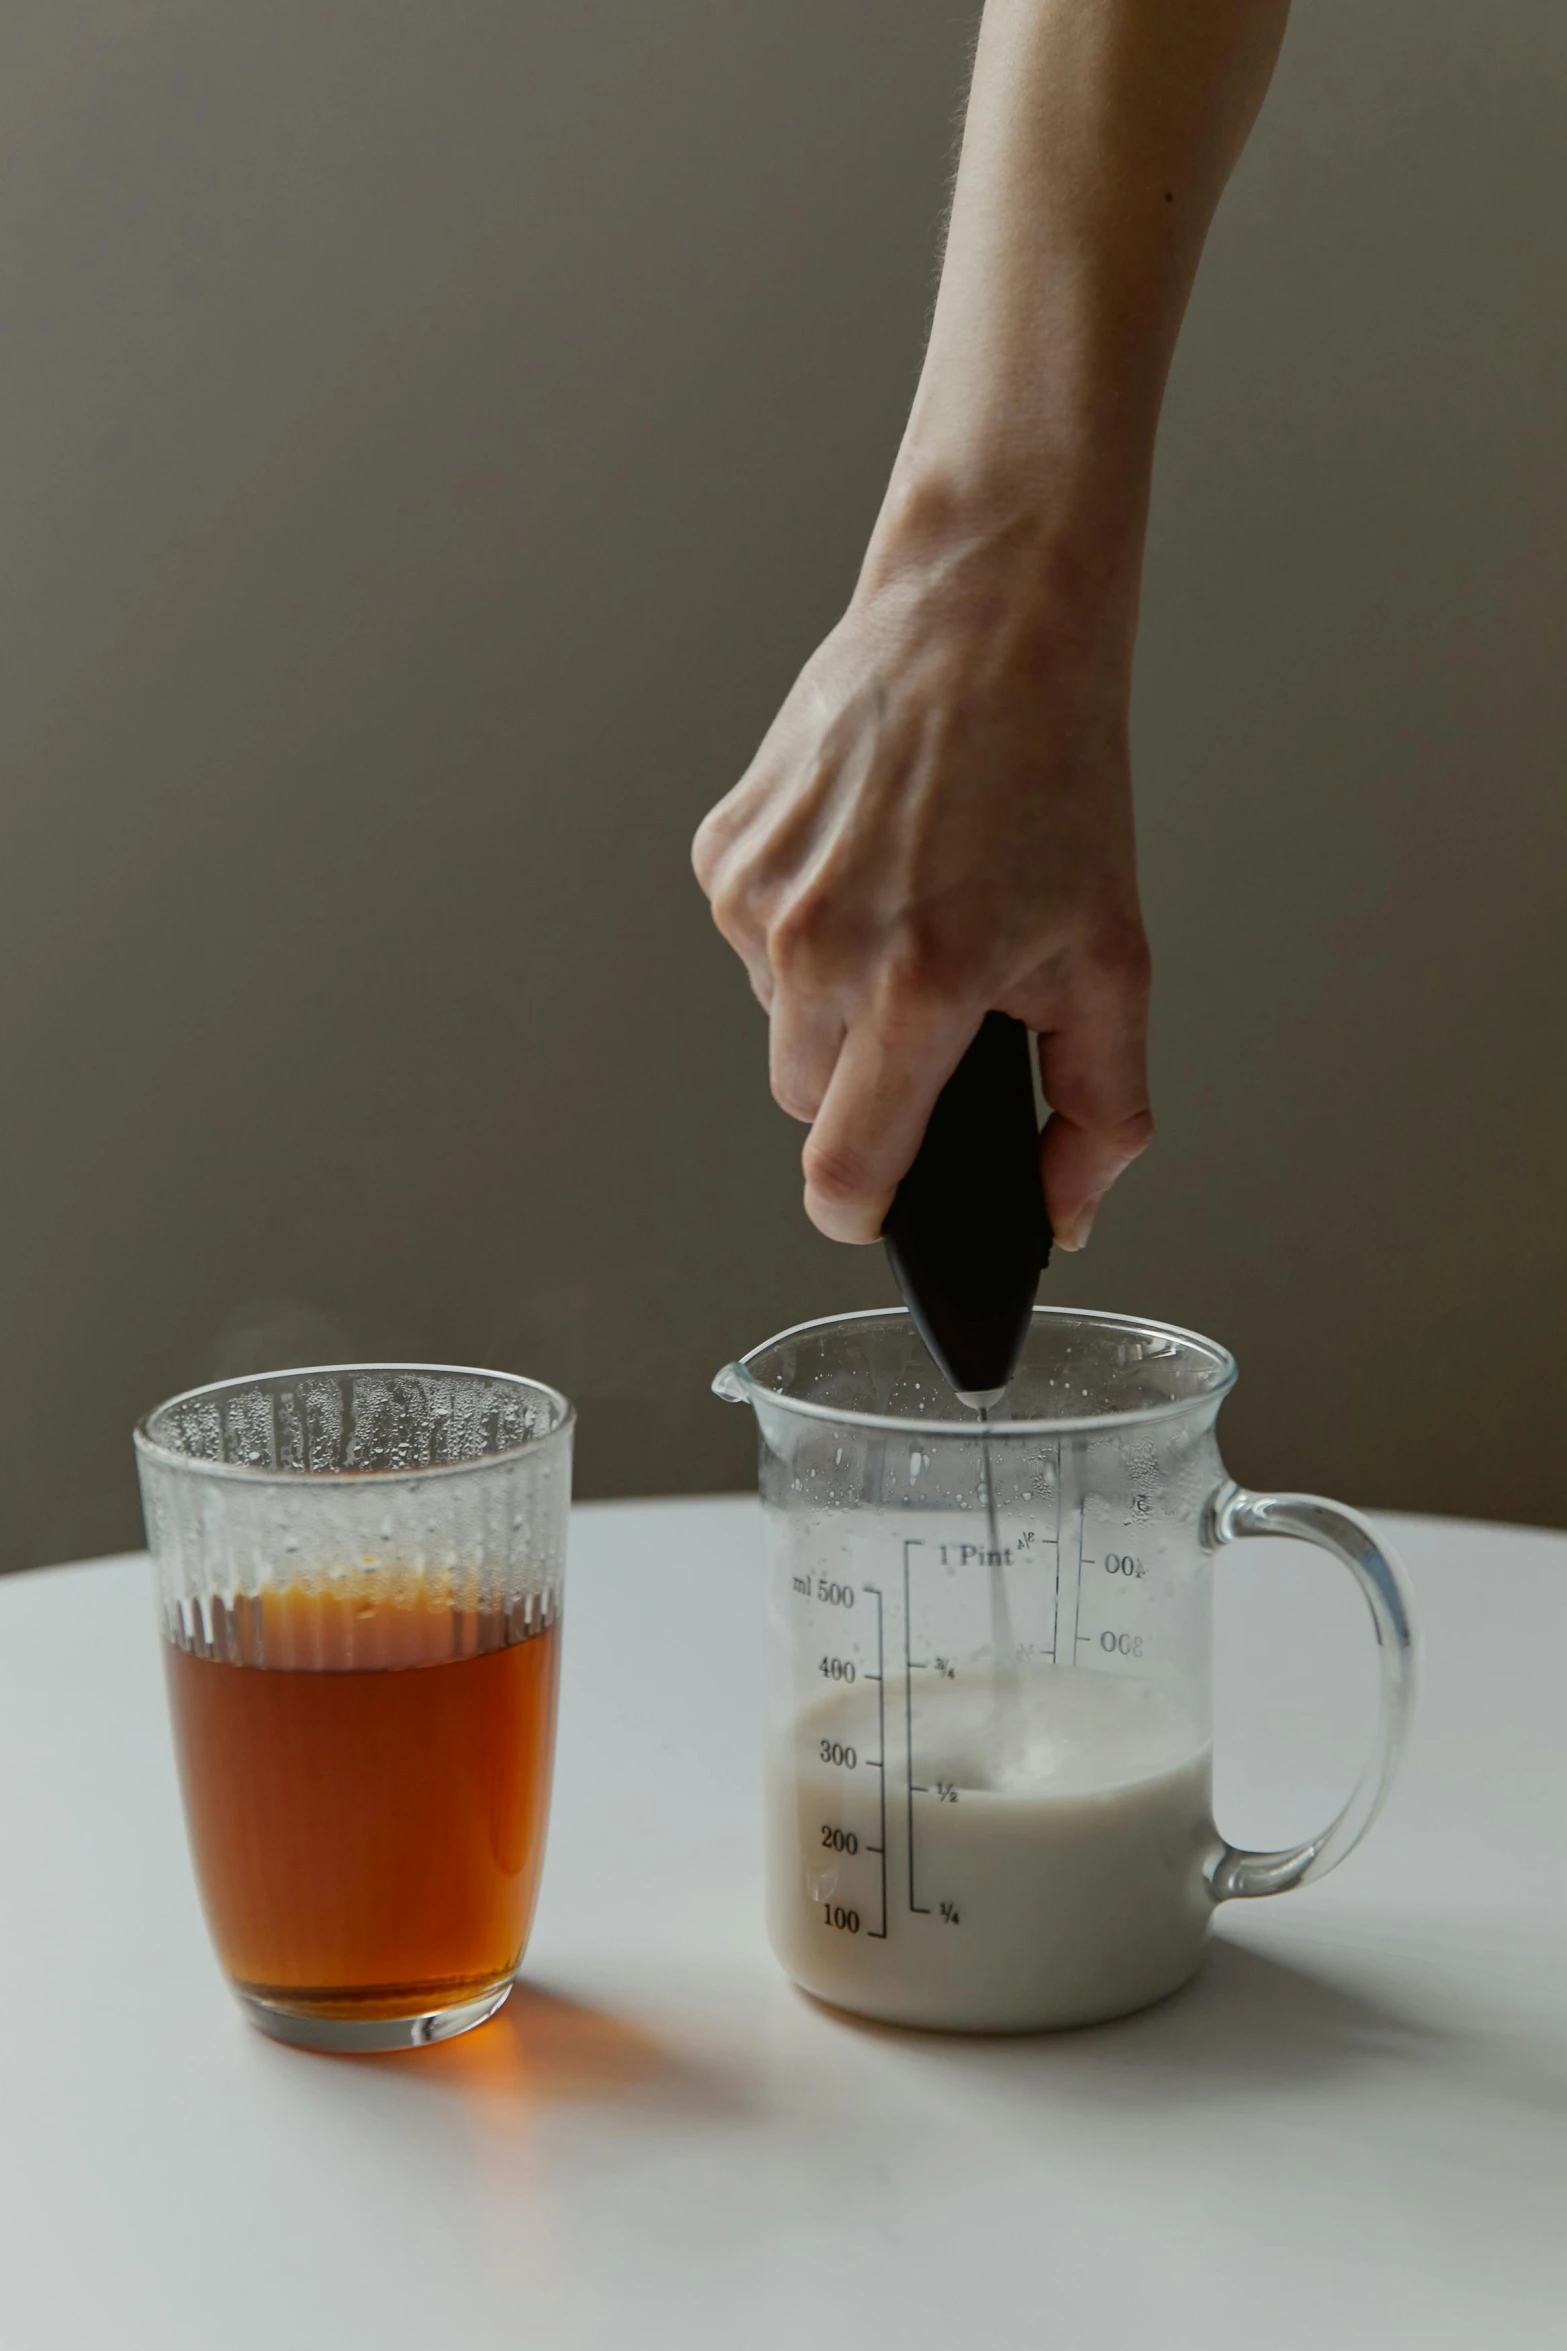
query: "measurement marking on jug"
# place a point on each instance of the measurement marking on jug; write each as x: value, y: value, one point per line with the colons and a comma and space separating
x: 879, y: 1677
x: 1055, y: 1606
x: 1081, y: 1564
x: 922, y: 1909
x: 1078, y: 1634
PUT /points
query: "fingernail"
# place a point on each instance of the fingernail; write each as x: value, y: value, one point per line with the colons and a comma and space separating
x: 1074, y: 1233
x: 838, y: 1223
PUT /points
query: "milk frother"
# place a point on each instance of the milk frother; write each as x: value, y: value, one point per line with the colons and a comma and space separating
x: 967, y: 1234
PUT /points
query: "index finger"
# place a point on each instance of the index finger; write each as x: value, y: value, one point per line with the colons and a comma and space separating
x: 877, y: 1104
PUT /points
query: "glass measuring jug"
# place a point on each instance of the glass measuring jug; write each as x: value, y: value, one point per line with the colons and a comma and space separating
x: 989, y: 1669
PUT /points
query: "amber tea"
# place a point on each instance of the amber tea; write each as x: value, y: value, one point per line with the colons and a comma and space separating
x: 359, y: 1574
x: 366, y: 1792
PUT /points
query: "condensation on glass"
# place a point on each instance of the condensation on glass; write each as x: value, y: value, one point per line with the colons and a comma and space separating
x: 340, y: 1472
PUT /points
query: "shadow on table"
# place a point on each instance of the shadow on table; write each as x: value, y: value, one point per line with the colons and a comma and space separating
x: 545, y: 2049
x: 1250, y: 2025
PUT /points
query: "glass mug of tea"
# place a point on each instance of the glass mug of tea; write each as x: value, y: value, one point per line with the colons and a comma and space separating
x: 989, y: 1666
x: 359, y: 1576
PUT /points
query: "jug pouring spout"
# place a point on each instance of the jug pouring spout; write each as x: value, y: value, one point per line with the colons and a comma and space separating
x: 730, y: 1385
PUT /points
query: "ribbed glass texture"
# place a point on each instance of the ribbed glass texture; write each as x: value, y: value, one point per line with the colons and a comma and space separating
x: 437, y: 1487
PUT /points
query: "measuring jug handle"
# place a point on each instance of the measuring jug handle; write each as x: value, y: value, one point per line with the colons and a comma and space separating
x: 1235, y: 1514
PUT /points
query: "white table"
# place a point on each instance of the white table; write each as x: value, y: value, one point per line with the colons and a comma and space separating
x: 1352, y: 2131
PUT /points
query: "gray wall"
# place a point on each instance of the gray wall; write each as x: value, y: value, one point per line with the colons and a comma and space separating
x: 430, y: 438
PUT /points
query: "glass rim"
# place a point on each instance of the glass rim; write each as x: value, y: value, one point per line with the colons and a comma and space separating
x: 149, y: 1447
x: 750, y: 1390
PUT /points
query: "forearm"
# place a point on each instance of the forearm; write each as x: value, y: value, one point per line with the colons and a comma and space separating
x: 939, y: 821
x: 1099, y: 137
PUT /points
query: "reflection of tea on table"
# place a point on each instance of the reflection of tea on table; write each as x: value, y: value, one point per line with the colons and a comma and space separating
x: 366, y: 1775
x: 1060, y: 1820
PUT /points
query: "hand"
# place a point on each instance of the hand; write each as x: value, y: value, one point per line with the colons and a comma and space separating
x: 939, y: 821
x: 939, y: 824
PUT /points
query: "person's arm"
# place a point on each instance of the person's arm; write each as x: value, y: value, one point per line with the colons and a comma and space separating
x: 939, y: 821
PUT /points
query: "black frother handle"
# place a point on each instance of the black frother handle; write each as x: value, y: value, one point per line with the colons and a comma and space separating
x: 967, y: 1233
